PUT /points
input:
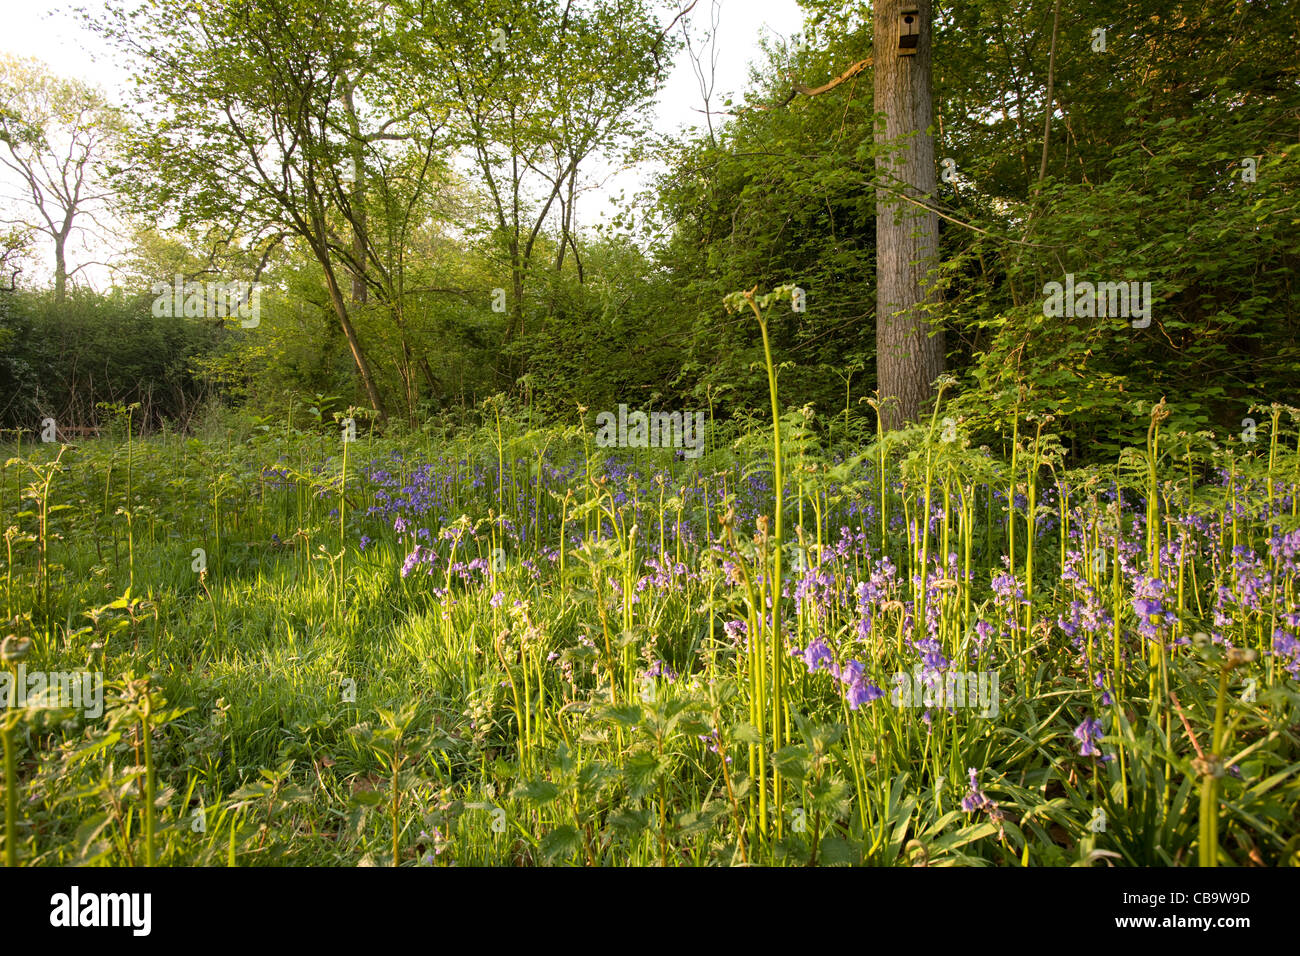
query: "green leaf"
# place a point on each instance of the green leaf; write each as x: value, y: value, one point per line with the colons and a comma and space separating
x: 561, y: 842
x: 538, y: 792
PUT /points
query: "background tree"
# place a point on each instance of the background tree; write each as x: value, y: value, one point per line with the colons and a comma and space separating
x: 537, y: 90
x: 57, y: 134
x: 249, y: 114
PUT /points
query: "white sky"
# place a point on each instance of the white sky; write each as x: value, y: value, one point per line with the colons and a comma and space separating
x: 51, y: 30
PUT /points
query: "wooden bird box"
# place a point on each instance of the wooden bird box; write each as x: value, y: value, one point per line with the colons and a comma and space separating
x: 909, y: 30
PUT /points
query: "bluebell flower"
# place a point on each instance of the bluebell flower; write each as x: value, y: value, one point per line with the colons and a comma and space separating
x: 975, y: 798
x: 862, y: 691
x: 818, y: 655
x: 1088, y: 733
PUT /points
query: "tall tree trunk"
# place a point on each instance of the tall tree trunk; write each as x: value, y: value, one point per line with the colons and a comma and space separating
x: 908, y: 356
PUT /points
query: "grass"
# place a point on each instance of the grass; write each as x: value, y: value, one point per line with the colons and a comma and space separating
x: 511, y: 647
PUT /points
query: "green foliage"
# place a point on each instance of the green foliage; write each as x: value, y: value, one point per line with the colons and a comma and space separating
x: 67, y: 361
x: 560, y: 704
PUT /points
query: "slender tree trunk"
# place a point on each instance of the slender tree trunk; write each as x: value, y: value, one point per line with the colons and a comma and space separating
x: 350, y: 333
x: 516, y: 326
x: 909, y: 351
x: 360, y: 294
x: 1051, y: 82
x: 60, y: 268
x: 407, y: 371
x: 357, y: 198
x: 428, y: 378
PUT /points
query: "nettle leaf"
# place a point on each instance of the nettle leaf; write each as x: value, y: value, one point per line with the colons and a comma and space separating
x: 745, y: 733
x: 626, y: 714
x: 579, y: 653
x: 595, y: 775
x: 629, y: 821
x: 250, y: 792
x: 821, y: 737
x: 692, y: 723
x: 564, y: 761
x: 641, y: 772
x: 538, y: 792
x: 792, y: 761
x: 831, y: 796
x: 560, y: 842
x: 683, y: 714
x: 89, y: 846
x: 838, y: 851
x: 362, y: 798
x: 696, y: 822
x: 741, y: 785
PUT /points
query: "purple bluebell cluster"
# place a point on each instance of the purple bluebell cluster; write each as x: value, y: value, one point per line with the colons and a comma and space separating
x: 854, y: 602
